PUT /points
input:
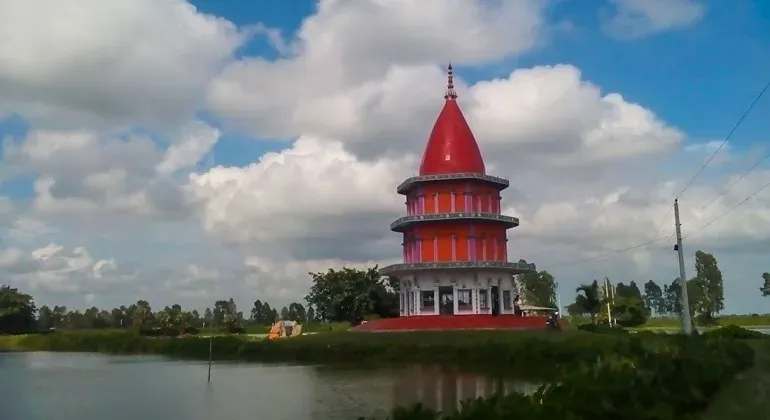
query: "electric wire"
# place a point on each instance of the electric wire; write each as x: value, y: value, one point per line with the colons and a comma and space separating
x: 729, y: 186
x: 663, y: 221
x: 730, y: 210
x: 729, y: 135
x: 648, y: 243
x: 686, y: 187
x: 608, y: 253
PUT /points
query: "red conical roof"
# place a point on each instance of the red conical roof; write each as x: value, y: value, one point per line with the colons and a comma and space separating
x: 451, y: 147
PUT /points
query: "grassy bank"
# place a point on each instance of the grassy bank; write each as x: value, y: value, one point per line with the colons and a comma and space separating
x: 532, y: 353
x: 669, y: 376
x: 673, y: 323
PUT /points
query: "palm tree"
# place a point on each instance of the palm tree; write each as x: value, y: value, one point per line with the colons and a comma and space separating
x: 588, y: 299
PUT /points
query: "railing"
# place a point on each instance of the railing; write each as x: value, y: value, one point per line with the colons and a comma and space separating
x: 502, y: 183
x: 406, y: 220
x: 519, y: 267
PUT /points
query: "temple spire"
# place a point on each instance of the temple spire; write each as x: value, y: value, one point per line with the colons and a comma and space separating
x: 450, y: 86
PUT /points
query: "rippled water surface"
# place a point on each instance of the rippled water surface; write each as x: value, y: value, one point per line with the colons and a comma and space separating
x: 64, y: 386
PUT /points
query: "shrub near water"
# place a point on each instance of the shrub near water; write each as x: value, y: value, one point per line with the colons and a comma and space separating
x: 673, y: 384
x: 528, y: 354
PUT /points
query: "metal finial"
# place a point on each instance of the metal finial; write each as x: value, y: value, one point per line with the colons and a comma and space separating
x: 450, y: 86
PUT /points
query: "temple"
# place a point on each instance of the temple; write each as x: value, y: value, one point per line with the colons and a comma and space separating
x: 455, y: 246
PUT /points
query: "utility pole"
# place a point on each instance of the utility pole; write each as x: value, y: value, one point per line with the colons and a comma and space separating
x: 686, y: 319
x: 609, y: 295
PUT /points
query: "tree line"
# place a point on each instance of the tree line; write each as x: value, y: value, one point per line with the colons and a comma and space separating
x: 351, y: 295
x: 346, y: 295
x: 631, y: 306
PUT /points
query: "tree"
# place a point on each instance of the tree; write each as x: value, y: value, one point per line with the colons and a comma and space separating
x: 765, y: 289
x: 297, y: 312
x: 539, y: 288
x: 629, y: 311
x: 208, y: 317
x: 310, y: 315
x: 44, y: 318
x: 351, y: 295
x: 708, y: 279
x: 588, y: 300
x: 674, y: 296
x: 628, y: 305
x: 219, y: 311
x: 141, y: 314
x: 17, y: 311
x: 226, y: 315
x: 257, y: 312
x: 284, y: 313
x: 262, y: 313
x: 171, y: 317
x: 653, y: 298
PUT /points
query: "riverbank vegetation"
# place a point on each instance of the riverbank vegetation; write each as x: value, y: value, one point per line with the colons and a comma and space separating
x: 604, y: 374
x: 676, y: 381
x: 540, y: 353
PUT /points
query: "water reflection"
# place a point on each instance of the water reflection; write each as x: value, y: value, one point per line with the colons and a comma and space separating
x: 443, y: 389
x: 43, y: 386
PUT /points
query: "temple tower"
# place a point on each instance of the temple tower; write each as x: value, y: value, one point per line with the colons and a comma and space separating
x: 455, y: 245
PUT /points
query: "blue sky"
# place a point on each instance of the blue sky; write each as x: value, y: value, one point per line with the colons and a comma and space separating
x: 698, y: 77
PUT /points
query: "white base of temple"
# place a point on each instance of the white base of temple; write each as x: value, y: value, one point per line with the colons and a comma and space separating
x: 458, y: 293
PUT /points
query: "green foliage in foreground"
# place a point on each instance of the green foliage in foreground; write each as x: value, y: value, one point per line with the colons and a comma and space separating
x: 673, y: 382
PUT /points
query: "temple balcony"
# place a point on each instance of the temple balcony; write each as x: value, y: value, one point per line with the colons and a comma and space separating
x: 407, y: 222
x: 411, y: 268
x: 500, y: 183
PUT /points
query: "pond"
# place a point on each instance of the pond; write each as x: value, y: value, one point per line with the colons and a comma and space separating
x: 41, y: 385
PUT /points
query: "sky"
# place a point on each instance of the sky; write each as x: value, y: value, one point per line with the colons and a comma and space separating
x: 184, y: 152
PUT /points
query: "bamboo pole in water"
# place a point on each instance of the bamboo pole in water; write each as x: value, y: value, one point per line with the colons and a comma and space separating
x: 210, y: 351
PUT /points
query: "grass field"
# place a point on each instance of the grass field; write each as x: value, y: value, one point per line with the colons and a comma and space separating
x: 673, y: 323
x: 748, y: 395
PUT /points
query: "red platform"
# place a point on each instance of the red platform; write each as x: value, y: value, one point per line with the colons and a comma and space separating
x: 457, y: 322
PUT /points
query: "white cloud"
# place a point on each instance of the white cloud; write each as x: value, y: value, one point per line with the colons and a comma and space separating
x: 300, y: 201
x: 639, y: 18
x: 190, y: 147
x: 348, y: 45
x: 56, y: 269
x: 74, y: 62
x: 82, y: 172
x: 356, y: 91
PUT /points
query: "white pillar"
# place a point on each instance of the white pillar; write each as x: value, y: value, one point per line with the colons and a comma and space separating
x: 454, y: 298
x: 436, y: 301
x: 475, y: 298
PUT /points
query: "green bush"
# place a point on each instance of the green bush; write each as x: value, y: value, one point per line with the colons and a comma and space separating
x: 736, y: 332
x: 160, y: 332
x: 190, y: 330
x: 672, y: 384
x: 602, y: 328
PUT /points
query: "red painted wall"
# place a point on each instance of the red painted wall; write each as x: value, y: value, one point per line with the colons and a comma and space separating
x: 444, y: 231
